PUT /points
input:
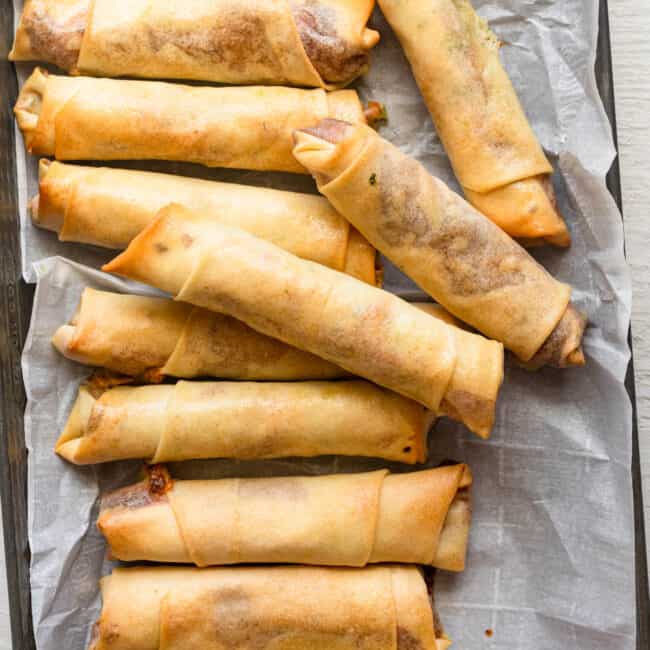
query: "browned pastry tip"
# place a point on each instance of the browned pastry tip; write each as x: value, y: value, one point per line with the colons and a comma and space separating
x: 563, y: 348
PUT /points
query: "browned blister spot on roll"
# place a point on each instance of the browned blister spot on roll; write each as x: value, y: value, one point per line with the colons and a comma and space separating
x: 458, y: 403
x: 335, y: 59
x: 237, y: 41
x: 406, y: 641
x: 52, y: 40
x: 98, y: 414
x: 160, y: 481
x: 563, y: 347
x: 143, y: 494
x: 233, y: 605
x: 103, y: 379
x: 132, y: 496
x: 236, y: 344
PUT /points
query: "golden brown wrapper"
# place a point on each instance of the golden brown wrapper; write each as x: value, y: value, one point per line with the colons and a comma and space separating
x: 51, y: 31
x: 311, y: 43
x: 337, y: 519
x: 255, y: 608
x: 363, y: 329
x: 108, y: 207
x: 83, y: 118
x: 449, y: 249
x: 244, y: 420
x: 494, y: 152
x: 148, y: 338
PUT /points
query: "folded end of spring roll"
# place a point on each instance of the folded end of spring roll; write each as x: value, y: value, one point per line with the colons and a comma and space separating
x: 526, y: 210
x: 345, y: 105
x: 454, y: 536
x: 51, y: 32
x: 114, y: 423
x: 94, y: 335
x: 563, y: 348
x: 39, y: 101
x: 28, y: 106
x: 474, y: 388
x: 437, y: 501
x: 141, y: 260
x: 69, y: 442
x: 48, y: 207
x: 420, y: 517
x: 65, y: 341
x: 337, y: 43
x: 158, y: 531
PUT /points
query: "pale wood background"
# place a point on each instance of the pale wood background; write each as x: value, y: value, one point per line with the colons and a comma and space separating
x: 630, y: 30
x: 631, y: 49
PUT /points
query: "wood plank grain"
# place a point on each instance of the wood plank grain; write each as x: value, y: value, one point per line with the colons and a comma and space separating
x: 630, y: 30
x: 15, y: 301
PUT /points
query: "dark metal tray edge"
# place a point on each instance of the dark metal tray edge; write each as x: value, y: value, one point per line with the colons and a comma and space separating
x: 15, y: 307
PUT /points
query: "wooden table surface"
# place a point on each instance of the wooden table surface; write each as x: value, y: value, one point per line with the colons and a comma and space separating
x: 630, y: 30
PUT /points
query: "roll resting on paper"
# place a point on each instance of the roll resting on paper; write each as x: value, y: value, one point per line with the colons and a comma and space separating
x: 247, y: 127
x: 108, y: 207
x: 312, y: 43
x: 453, y: 252
x: 495, y: 155
x: 363, y: 329
x: 419, y: 517
x: 244, y: 420
x: 152, y: 338
x: 376, y: 608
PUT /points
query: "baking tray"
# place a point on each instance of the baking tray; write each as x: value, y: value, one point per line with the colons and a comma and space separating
x: 15, y: 308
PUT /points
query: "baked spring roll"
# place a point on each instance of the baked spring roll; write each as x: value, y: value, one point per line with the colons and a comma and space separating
x: 496, y: 157
x: 453, y: 252
x: 109, y: 207
x: 150, y: 338
x: 338, y: 519
x: 365, y: 330
x: 264, y: 608
x: 243, y: 420
x: 309, y: 43
x: 81, y: 118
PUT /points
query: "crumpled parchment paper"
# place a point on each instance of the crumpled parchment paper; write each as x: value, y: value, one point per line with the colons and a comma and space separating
x: 551, y: 561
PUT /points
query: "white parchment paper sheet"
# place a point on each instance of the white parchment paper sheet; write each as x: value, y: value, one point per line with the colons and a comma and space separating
x: 551, y: 562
